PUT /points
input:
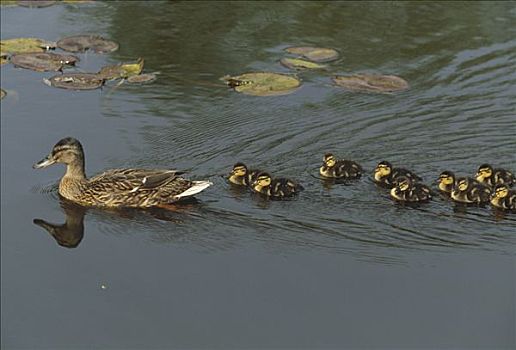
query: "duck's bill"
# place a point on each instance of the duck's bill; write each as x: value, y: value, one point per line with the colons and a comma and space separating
x: 43, y: 163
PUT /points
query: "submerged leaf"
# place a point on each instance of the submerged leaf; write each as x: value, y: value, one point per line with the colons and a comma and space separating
x: 81, y: 43
x: 76, y: 81
x: 316, y: 54
x: 371, y: 82
x: 18, y: 45
x: 43, y: 61
x: 122, y: 70
x: 141, y: 78
x: 263, y: 83
x: 296, y: 63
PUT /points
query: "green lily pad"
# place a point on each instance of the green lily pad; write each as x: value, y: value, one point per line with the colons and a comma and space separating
x: 371, y: 82
x: 316, y: 54
x: 81, y: 43
x: 122, y: 70
x: 36, y: 3
x: 263, y: 83
x: 19, y: 45
x: 299, y: 64
x: 2, y: 93
x: 75, y: 81
x: 141, y: 78
x: 43, y: 61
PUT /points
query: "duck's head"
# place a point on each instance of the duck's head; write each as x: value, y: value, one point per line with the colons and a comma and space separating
x: 484, y: 171
x: 501, y: 191
x: 446, y: 178
x: 67, y: 151
x: 462, y: 183
x: 403, y: 183
x: 383, y: 168
x: 263, y: 180
x: 329, y: 160
x: 239, y: 169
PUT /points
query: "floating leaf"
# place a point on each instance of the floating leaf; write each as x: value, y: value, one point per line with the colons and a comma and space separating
x: 122, y: 70
x: 75, y: 81
x: 371, y: 82
x: 43, y: 61
x: 19, y: 45
x: 316, y: 54
x: 263, y: 83
x: 2, y: 93
x: 296, y: 63
x: 141, y: 78
x: 81, y: 43
x: 36, y: 3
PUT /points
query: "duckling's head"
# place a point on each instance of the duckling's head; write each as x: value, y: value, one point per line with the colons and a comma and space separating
x: 403, y: 183
x: 484, y: 171
x: 462, y: 183
x: 446, y: 178
x: 263, y: 179
x: 67, y: 151
x: 501, y: 191
x: 383, y: 168
x: 329, y: 160
x: 239, y: 169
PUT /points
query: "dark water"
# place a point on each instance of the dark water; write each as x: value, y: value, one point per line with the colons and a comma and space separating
x: 339, y: 267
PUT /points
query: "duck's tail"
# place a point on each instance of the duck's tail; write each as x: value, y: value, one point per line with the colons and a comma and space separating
x: 197, y: 186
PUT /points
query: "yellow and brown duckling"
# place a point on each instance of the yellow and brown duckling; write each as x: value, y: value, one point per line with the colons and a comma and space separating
x: 446, y: 181
x: 492, y: 177
x: 339, y: 169
x: 141, y: 188
x: 407, y: 191
x: 504, y: 198
x: 385, y: 174
x: 275, y: 188
x: 241, y: 175
x: 468, y: 190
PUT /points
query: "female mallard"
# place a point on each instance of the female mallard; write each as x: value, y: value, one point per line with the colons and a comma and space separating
x: 492, y: 177
x: 241, y: 175
x: 339, y: 169
x: 117, y: 187
x: 504, y: 198
x: 468, y: 190
x: 385, y: 174
x: 275, y: 188
x: 407, y: 191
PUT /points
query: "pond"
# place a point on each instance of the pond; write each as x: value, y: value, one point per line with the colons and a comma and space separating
x: 341, y: 265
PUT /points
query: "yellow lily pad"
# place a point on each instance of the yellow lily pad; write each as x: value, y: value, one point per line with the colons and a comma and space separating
x: 122, y: 70
x: 75, y: 81
x: 263, y: 83
x: 81, y: 43
x: 297, y: 63
x: 371, y: 82
x: 19, y: 45
x: 316, y: 54
x: 43, y: 61
x: 2, y: 93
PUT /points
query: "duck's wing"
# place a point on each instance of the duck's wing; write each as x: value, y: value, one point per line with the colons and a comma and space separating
x: 134, y: 180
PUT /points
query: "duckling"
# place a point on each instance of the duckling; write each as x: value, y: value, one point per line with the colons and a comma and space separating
x: 467, y: 190
x: 241, y: 175
x: 139, y: 188
x: 446, y: 181
x: 339, y: 169
x: 407, y: 191
x: 275, y: 188
x: 385, y: 174
x: 504, y: 198
x: 492, y: 177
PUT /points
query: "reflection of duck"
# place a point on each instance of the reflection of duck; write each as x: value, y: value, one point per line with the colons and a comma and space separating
x: 492, y: 177
x: 339, y: 169
x: 407, y: 191
x: 504, y: 198
x: 70, y: 233
x: 470, y: 191
x: 275, y: 188
x: 117, y: 187
x: 241, y: 175
x: 385, y: 174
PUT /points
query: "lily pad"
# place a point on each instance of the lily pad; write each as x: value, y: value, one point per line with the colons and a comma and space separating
x: 122, y: 70
x: 316, y: 54
x: 141, y: 78
x: 2, y: 93
x: 299, y: 64
x: 19, y: 45
x: 371, y: 82
x: 81, y: 43
x: 263, y: 83
x: 36, y: 3
x: 75, y: 81
x: 43, y: 61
